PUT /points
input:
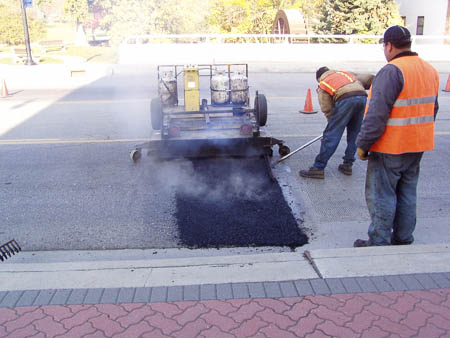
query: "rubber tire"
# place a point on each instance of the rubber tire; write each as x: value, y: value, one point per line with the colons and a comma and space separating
x: 156, y: 113
x: 261, y: 109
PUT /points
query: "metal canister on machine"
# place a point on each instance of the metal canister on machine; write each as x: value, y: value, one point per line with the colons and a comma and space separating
x: 168, y: 90
x: 239, y: 88
x: 220, y: 87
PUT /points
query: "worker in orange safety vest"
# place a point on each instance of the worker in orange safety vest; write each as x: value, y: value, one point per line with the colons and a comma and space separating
x: 398, y: 127
x: 342, y: 98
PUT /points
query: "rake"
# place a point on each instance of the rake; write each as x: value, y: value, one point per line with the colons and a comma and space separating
x: 8, y: 249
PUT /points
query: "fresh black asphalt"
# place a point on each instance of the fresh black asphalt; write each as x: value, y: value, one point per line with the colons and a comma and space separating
x: 233, y: 202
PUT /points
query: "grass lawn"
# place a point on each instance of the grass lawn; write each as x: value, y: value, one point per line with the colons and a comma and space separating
x: 66, y: 32
x: 44, y: 60
x: 92, y: 54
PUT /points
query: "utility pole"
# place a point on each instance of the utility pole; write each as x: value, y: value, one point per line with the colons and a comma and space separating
x: 29, y: 61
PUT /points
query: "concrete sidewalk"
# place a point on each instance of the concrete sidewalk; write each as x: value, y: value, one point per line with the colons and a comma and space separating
x: 370, y: 292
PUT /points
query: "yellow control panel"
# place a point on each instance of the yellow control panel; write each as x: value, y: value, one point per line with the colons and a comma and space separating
x: 191, y: 89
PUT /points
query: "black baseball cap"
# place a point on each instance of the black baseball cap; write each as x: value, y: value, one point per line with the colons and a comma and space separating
x: 320, y: 71
x: 397, y: 35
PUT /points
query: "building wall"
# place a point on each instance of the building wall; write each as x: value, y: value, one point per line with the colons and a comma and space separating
x: 434, y: 11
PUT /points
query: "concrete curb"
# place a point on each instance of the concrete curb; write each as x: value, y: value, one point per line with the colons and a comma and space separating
x: 247, y: 268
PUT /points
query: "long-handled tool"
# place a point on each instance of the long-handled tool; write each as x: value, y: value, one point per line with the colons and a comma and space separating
x: 298, y: 149
x: 8, y: 249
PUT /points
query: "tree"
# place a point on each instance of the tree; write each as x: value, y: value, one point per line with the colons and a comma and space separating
x: 46, y: 6
x: 447, y: 26
x: 127, y: 17
x: 253, y: 16
x: 181, y: 17
x: 11, y: 24
x: 357, y: 16
x: 77, y: 11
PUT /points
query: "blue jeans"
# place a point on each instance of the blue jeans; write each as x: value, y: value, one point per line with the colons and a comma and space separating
x: 347, y: 113
x: 391, y: 196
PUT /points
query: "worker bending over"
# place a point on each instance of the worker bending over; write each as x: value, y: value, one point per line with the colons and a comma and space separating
x: 342, y: 98
x: 398, y: 127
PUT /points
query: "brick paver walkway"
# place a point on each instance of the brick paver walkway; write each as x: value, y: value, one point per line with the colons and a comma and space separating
x: 424, y: 313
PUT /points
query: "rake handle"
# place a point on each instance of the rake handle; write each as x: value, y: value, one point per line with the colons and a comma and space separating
x: 301, y: 148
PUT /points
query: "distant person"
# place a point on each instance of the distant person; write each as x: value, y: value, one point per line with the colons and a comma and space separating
x: 342, y: 98
x: 398, y: 127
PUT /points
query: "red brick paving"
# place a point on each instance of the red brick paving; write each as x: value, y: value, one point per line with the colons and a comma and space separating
x: 388, y: 314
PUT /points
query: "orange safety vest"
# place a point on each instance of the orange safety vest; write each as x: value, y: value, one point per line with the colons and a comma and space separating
x: 410, y: 127
x: 334, y: 81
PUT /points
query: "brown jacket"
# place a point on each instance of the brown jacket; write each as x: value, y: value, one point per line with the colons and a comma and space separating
x: 327, y: 102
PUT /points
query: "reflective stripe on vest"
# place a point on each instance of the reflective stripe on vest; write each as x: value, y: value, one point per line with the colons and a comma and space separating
x: 410, y: 127
x: 412, y: 102
x: 410, y: 120
x: 336, y: 80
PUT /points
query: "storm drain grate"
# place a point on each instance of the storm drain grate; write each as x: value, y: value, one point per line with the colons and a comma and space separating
x: 9, y: 249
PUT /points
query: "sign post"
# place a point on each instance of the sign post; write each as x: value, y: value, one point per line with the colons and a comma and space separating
x: 23, y: 4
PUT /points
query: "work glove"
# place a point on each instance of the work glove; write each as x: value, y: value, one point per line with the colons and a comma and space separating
x: 363, y: 154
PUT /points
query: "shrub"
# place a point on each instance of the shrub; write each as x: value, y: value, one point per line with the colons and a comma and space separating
x: 11, y: 24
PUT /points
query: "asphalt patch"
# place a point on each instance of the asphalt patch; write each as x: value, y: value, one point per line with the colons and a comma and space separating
x: 233, y: 202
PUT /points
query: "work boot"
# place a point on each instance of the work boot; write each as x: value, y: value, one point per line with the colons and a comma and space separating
x: 312, y: 173
x: 345, y: 169
x: 361, y: 243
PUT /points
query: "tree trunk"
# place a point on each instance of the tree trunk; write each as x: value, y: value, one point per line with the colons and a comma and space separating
x: 81, y: 35
x: 447, y: 23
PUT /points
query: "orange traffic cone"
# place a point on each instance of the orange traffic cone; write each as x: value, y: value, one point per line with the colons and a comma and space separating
x: 308, y: 104
x: 4, y: 89
x: 308, y: 109
x: 447, y: 87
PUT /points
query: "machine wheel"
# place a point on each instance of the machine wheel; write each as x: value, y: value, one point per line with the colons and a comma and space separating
x: 156, y: 113
x: 135, y: 155
x: 261, y: 109
x: 283, y: 150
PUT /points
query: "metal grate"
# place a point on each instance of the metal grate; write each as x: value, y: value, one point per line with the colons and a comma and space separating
x: 8, y: 249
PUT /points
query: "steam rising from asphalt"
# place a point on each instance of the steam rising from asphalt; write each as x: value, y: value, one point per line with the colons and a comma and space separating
x: 212, y: 179
x: 227, y: 202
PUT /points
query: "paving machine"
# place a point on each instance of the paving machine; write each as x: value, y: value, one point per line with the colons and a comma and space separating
x: 193, y: 127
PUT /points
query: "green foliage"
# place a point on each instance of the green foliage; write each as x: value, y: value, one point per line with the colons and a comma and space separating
x: 253, y: 16
x: 45, y: 6
x: 11, y: 24
x: 44, y: 2
x: 357, y: 16
x: 121, y: 18
x: 180, y: 17
x: 241, y: 16
x: 76, y: 10
x: 126, y: 17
